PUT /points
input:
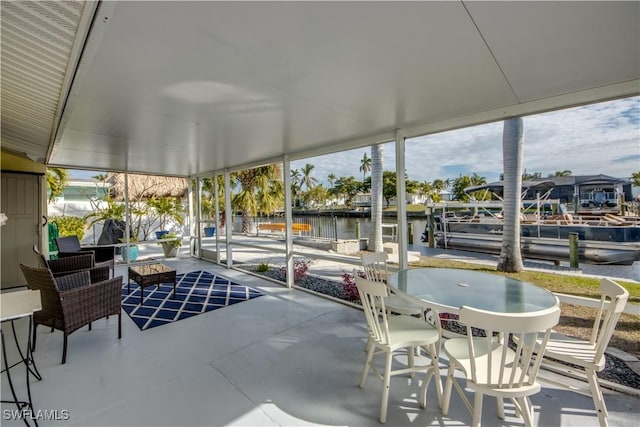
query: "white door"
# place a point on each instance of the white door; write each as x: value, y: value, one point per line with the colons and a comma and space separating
x: 20, y: 201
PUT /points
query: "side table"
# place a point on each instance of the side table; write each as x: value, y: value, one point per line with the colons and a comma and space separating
x: 14, y: 306
x: 151, y: 274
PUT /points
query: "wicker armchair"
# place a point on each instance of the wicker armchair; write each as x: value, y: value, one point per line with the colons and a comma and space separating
x: 70, y: 246
x: 75, y: 264
x: 71, y: 301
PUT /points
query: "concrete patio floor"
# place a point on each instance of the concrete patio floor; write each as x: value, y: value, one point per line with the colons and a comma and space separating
x: 288, y: 358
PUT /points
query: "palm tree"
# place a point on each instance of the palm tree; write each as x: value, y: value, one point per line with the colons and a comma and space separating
x: 307, y: 179
x: 261, y: 190
x: 365, y: 164
x: 512, y: 152
x: 635, y: 179
x: 331, y: 178
x: 56, y: 180
x: 562, y: 173
x: 376, y: 165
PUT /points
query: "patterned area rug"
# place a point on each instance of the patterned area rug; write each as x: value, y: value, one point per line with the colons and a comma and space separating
x: 196, y: 292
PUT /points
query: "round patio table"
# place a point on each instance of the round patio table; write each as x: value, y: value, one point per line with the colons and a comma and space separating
x: 448, y: 289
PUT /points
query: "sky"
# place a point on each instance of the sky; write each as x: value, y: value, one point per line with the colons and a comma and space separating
x: 596, y: 139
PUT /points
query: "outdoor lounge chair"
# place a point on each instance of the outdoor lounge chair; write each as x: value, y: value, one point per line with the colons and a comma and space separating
x: 70, y: 246
x: 71, y: 301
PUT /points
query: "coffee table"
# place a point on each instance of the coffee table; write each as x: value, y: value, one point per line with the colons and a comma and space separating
x: 151, y: 274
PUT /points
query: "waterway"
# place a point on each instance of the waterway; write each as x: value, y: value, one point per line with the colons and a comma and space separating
x: 326, y: 226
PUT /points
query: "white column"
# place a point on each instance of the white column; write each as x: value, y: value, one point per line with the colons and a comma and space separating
x: 127, y: 215
x: 194, y: 217
x: 288, y: 219
x: 216, y: 222
x: 401, y: 202
x: 228, y: 213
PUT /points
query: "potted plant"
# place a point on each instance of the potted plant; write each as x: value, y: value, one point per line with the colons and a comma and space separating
x: 171, y: 244
x: 168, y: 209
x: 208, y: 212
x: 133, y: 252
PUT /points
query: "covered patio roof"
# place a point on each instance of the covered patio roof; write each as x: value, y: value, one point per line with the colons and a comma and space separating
x: 186, y: 88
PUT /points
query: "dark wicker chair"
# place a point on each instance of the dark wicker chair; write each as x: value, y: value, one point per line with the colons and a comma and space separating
x: 102, y: 255
x: 75, y: 264
x: 71, y: 301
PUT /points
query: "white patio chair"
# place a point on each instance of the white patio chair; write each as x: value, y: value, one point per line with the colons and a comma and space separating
x: 491, y: 366
x: 588, y: 356
x: 391, y: 333
x: 375, y: 269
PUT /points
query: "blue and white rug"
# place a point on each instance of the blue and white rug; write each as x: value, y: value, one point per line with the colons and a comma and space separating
x: 197, y: 292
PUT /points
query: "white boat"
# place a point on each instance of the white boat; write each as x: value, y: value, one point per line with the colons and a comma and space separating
x: 477, y: 226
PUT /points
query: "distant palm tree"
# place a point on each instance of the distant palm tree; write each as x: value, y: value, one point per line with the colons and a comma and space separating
x: 295, y: 176
x: 332, y: 178
x: 512, y: 154
x: 365, y: 165
x: 635, y: 179
x: 307, y: 179
x: 563, y: 173
x: 376, y: 166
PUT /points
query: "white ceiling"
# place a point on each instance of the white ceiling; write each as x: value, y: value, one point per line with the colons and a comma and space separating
x: 184, y: 88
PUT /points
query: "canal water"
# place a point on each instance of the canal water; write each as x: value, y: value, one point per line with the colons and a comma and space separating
x: 345, y: 227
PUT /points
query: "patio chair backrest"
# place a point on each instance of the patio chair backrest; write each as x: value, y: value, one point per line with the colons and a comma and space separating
x: 612, y: 302
x: 42, y: 279
x: 508, y: 368
x: 372, y: 295
x: 68, y: 244
x: 375, y: 266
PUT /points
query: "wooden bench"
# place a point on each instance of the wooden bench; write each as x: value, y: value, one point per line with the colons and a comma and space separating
x: 279, y: 227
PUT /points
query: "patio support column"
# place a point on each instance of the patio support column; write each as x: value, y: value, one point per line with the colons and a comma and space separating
x: 127, y: 214
x: 216, y: 235
x: 288, y: 219
x: 229, y: 216
x: 194, y: 218
x: 401, y: 199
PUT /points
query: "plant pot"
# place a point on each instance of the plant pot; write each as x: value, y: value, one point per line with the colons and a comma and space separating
x: 209, y: 231
x: 169, y: 250
x: 160, y: 234
x: 132, y: 255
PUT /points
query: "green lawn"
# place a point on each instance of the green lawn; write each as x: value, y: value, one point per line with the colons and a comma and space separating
x: 562, y: 283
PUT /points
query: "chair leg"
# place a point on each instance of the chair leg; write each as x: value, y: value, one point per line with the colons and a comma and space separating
x: 526, y: 411
x: 367, y: 364
x: 598, y: 399
x: 411, y: 360
x: 89, y: 326
x: 33, y: 339
x: 500, y: 403
x: 385, y: 388
x: 64, y: 349
x: 120, y: 325
x: 477, y: 409
x: 446, y: 394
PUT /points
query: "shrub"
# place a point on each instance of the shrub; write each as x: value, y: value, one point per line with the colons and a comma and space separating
x: 300, y: 268
x: 69, y: 226
x: 262, y: 267
x: 350, y: 290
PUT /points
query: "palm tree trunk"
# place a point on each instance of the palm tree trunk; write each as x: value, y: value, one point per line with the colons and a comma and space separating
x: 375, y: 238
x: 512, y: 154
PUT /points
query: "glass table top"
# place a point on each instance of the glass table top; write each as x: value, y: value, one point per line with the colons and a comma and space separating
x: 452, y: 288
